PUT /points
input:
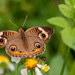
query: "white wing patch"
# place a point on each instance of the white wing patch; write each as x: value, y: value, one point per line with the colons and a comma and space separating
x: 1, y: 33
x: 43, y: 31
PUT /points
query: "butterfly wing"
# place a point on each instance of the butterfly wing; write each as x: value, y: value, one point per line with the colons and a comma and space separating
x: 13, y: 43
x: 16, y: 48
x: 25, y: 44
x: 36, y: 37
x: 43, y: 33
x: 7, y: 36
x: 34, y: 46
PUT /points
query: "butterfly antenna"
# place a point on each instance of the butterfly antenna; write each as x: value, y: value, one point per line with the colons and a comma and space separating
x: 25, y: 21
x: 13, y: 23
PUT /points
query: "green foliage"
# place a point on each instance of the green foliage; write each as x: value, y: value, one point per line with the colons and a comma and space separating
x: 68, y: 31
x: 66, y: 11
x: 59, y: 21
x: 38, y: 12
x: 56, y: 66
x: 68, y: 35
x: 3, y: 64
x: 69, y: 2
x: 72, y: 71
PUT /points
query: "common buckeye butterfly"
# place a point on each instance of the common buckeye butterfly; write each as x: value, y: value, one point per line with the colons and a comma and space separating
x: 27, y: 43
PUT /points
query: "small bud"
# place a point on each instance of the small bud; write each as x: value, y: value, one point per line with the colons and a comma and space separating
x: 43, y: 58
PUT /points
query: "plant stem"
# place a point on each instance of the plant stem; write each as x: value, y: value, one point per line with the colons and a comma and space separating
x: 18, y: 65
x: 65, y: 61
x: 16, y: 73
x: 32, y: 72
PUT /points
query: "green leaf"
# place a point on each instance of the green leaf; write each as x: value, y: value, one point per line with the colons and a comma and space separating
x: 73, y: 2
x: 69, y: 2
x: 56, y: 66
x: 66, y: 11
x: 68, y: 37
x: 59, y: 21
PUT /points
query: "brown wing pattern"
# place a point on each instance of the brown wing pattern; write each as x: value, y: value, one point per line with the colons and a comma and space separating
x: 36, y: 37
x: 34, y: 47
x: 13, y: 42
x: 16, y: 48
x: 6, y: 36
x: 43, y: 33
x: 25, y: 44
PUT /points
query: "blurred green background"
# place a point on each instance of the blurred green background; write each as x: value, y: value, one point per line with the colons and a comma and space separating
x: 38, y: 12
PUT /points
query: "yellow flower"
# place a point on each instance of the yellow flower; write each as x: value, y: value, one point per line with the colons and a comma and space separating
x: 5, y: 63
x: 4, y: 59
x: 31, y: 63
x: 45, y: 68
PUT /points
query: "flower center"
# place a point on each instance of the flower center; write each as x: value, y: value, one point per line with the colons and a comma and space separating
x: 31, y: 63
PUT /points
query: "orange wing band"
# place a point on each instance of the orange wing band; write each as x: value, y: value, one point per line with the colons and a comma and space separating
x: 37, y: 50
x: 45, y: 38
x: 11, y: 33
x: 7, y: 33
x: 16, y: 52
x: 34, y: 29
x: 1, y: 44
x: 31, y: 31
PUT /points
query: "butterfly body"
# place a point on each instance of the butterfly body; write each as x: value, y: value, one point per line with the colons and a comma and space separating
x: 27, y: 43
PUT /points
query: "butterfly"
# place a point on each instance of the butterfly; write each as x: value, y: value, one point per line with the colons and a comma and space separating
x: 27, y: 43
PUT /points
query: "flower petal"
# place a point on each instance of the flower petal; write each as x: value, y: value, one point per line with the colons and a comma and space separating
x: 1, y: 71
x: 45, y: 68
x: 34, y: 57
x: 11, y: 66
x: 37, y: 71
x: 15, y: 59
x: 38, y: 65
x: 24, y: 71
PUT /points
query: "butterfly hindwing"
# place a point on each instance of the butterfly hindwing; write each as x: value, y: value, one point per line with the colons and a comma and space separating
x: 16, y: 48
x: 35, y: 46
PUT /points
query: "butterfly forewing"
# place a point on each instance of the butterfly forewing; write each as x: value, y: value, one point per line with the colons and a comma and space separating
x: 7, y: 36
x: 43, y: 33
